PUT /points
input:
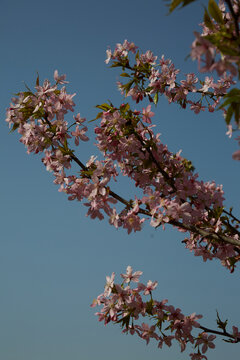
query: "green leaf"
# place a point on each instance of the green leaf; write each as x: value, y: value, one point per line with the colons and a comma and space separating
x: 15, y: 126
x: 125, y: 75
x: 39, y: 114
x: 229, y: 115
x: 65, y: 143
x: 228, y: 50
x: 99, y: 115
x: 230, y: 100
x: 65, y: 151
x: 27, y: 87
x: 214, y: 39
x: 53, y: 129
x: 232, y: 97
x: 125, y: 321
x: 127, y: 86
x: 26, y: 93
x: 149, y: 307
x: 155, y: 99
x: 104, y: 107
x: 233, y: 92
x: 218, y: 212
x: 207, y: 20
x: 175, y: 3
x: 116, y: 64
x: 188, y: 165
x: 124, y: 108
x: 236, y: 107
x: 215, y: 12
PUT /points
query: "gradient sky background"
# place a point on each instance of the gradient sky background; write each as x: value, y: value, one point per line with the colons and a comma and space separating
x: 53, y: 260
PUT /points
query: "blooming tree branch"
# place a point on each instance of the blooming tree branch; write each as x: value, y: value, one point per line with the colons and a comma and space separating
x: 124, y: 305
x: 170, y: 192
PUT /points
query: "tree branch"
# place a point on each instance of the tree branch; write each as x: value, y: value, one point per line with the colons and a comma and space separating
x: 223, y: 333
x: 234, y: 16
x: 192, y: 228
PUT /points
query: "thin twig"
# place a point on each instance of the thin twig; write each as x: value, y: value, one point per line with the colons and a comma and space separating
x: 222, y: 333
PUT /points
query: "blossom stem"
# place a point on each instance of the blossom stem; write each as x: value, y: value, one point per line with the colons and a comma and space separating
x: 206, y: 234
x: 191, y: 228
x: 223, y: 333
x: 232, y: 216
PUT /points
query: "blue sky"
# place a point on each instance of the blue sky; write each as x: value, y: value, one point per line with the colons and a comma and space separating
x: 53, y: 260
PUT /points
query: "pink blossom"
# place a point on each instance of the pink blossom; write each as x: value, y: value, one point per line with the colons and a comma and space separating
x: 132, y: 222
x: 211, y: 108
x: 109, y: 284
x: 189, y: 83
x: 80, y: 134
x: 125, y: 303
x: 79, y: 120
x: 208, y: 82
x: 130, y: 276
x: 230, y: 131
x: 236, y: 155
x: 147, y: 332
x: 147, y: 114
x: 148, y: 57
x: 166, y: 340
x: 150, y: 287
x: 60, y: 79
x: 109, y: 56
x: 206, y: 341
x: 114, y: 218
x: 197, y: 356
x: 236, y: 333
x: 196, y: 106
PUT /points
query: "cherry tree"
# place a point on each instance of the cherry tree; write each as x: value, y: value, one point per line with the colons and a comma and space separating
x: 171, y: 192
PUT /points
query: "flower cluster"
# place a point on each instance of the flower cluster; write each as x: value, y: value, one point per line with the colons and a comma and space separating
x: 172, y: 193
x: 217, y: 49
x: 124, y: 305
x: 40, y: 119
x: 210, y: 53
x: 150, y: 77
x: 169, y: 189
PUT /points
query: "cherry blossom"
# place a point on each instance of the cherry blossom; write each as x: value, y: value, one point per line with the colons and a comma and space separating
x: 130, y: 276
x: 125, y: 306
x: 172, y: 193
x: 169, y: 190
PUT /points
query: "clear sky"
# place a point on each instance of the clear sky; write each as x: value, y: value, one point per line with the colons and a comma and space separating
x: 53, y: 260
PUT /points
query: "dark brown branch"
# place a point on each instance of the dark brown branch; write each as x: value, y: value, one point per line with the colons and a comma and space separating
x: 73, y: 157
x: 222, y: 333
x: 193, y: 228
x: 234, y: 16
x: 190, y: 228
x: 215, y: 236
x: 232, y: 216
x: 112, y: 193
